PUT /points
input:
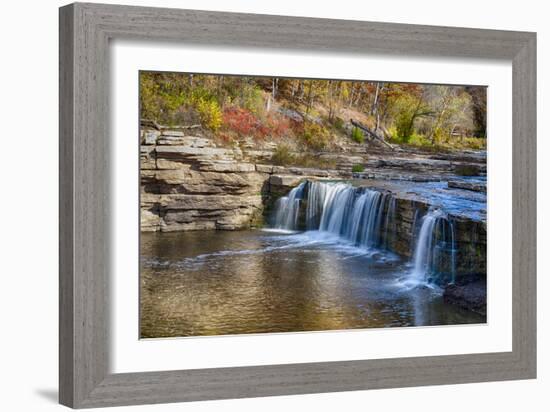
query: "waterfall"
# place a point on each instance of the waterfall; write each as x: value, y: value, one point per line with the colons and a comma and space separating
x: 362, y: 216
x: 367, y: 218
x: 288, y: 207
x: 436, y: 241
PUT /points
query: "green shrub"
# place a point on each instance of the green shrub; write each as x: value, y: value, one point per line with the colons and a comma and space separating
x: 282, y: 155
x: 477, y: 143
x: 403, y: 127
x: 339, y: 124
x: 357, y: 135
x: 358, y: 168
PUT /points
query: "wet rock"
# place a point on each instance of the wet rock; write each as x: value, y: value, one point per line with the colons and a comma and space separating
x: 471, y: 296
x: 469, y: 169
x: 474, y: 186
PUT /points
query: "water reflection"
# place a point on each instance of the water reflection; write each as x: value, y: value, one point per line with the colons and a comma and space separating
x: 218, y: 283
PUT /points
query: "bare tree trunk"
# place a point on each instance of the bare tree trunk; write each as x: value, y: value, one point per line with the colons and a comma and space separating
x: 372, y: 134
x: 374, y: 107
x: 330, y: 102
x: 359, y: 94
x: 275, y: 83
x: 309, y: 97
x: 451, y: 132
x: 416, y: 113
x: 351, y: 95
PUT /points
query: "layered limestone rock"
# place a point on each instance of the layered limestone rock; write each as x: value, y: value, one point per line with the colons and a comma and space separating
x: 187, y: 183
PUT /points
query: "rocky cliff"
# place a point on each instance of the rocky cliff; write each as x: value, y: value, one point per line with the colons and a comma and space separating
x: 188, y: 183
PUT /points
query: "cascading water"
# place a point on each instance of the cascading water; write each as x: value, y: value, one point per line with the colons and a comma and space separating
x: 361, y: 216
x: 435, y: 252
x: 366, y: 218
x: 288, y: 208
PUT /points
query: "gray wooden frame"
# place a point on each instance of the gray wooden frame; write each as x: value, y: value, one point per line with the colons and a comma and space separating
x: 85, y: 31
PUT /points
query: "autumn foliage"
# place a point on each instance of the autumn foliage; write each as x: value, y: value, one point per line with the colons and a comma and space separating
x: 243, y: 122
x: 315, y: 114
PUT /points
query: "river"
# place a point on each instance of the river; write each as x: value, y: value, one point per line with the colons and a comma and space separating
x: 258, y: 281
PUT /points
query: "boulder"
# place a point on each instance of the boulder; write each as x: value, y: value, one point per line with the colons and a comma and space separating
x: 471, y: 296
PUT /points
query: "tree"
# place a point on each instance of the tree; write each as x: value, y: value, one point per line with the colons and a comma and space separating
x: 408, y: 104
x: 479, y: 109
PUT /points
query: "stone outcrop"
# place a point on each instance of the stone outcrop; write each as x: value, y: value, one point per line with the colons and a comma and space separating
x: 187, y: 183
x: 468, y: 295
x: 473, y: 186
x: 470, y: 236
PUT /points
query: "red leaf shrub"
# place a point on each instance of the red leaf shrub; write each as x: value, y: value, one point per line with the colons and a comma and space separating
x: 244, y: 123
x: 278, y: 125
x: 240, y: 121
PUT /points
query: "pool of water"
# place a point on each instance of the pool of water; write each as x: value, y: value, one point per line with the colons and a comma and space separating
x: 221, y: 283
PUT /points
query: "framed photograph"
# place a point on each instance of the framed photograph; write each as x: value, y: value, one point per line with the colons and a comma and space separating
x: 256, y: 205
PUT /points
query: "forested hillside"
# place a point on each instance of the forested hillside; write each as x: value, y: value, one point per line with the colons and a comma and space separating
x: 317, y: 114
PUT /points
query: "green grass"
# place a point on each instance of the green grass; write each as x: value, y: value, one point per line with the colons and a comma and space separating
x: 357, y: 135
